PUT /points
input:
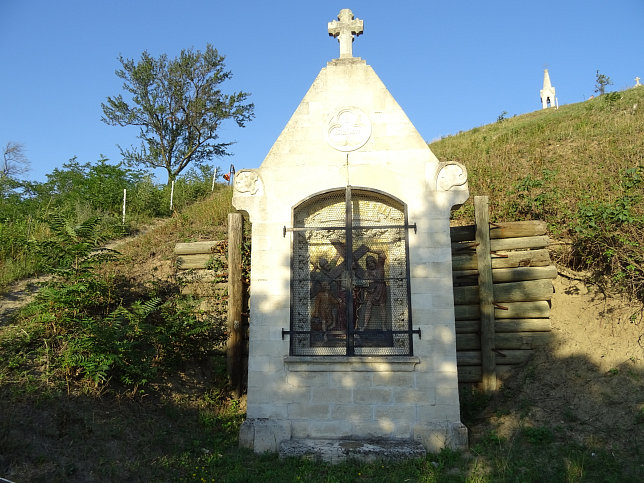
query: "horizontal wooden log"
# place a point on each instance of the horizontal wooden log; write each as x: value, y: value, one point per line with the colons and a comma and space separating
x: 517, y: 274
x: 190, y: 262
x: 509, y: 229
x: 507, y: 357
x: 529, y: 291
x: 513, y: 229
x: 468, y: 326
x: 515, y: 310
x: 195, y: 248
x: 521, y: 340
x: 468, y: 342
x: 505, y: 325
x: 472, y: 374
x: 206, y: 289
x: 201, y: 275
x: 522, y: 325
x: 524, y: 258
x: 504, y: 340
x: 521, y: 243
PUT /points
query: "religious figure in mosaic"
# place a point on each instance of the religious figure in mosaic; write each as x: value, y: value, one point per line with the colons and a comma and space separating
x: 326, y: 295
x: 375, y: 292
x: 349, y: 292
x: 328, y: 310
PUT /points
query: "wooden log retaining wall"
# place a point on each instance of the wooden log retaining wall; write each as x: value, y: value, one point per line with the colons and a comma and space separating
x: 212, y: 272
x: 202, y: 272
x: 519, y: 301
x: 202, y: 269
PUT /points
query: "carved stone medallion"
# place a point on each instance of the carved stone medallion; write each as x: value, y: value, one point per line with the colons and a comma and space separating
x: 349, y: 129
x: 451, y: 175
x: 247, y: 182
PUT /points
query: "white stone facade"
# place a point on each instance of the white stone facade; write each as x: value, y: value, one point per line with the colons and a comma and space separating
x: 349, y: 130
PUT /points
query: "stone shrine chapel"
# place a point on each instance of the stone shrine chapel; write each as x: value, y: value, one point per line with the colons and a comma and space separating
x: 352, y: 331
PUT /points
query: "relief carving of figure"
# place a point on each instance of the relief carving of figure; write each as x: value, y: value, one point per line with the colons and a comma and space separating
x: 364, y: 286
x: 327, y: 296
x: 375, y: 293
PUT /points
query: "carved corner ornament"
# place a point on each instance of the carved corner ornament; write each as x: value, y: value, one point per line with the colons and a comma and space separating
x: 451, y: 176
x: 247, y: 182
x: 349, y: 129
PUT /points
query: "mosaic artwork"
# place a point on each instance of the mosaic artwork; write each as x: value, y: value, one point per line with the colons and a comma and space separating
x: 350, y: 276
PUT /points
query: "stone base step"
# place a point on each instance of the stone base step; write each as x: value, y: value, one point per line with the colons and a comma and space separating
x: 338, y: 450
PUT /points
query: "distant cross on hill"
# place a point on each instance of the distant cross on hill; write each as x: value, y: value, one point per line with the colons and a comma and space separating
x: 344, y: 29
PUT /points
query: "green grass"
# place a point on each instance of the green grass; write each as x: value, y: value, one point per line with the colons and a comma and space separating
x: 578, y: 150
x: 54, y: 436
x: 77, y: 193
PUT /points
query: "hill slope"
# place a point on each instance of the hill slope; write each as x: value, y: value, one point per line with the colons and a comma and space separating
x: 578, y: 150
x: 580, y: 168
x: 573, y: 413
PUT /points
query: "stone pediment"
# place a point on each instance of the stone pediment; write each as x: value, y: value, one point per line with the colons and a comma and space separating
x: 347, y: 109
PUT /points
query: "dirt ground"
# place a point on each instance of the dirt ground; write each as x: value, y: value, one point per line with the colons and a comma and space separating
x: 588, y: 383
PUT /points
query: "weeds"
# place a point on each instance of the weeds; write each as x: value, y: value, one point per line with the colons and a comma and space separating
x: 609, y: 234
x: 533, y: 198
x: 93, y: 331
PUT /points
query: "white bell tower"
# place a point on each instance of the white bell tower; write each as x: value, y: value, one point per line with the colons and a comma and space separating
x: 548, y: 92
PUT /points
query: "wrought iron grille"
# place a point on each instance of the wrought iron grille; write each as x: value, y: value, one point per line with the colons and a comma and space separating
x: 350, y: 276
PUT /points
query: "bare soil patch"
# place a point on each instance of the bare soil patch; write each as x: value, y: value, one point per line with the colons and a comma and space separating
x: 19, y: 295
x: 587, y: 385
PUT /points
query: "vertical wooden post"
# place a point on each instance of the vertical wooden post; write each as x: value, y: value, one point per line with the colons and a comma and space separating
x: 235, y: 336
x: 486, y: 294
x: 124, y: 198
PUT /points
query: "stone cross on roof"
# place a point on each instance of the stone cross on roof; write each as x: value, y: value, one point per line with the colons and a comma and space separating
x: 344, y: 29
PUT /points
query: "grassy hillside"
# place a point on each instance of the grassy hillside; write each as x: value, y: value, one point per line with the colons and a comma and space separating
x: 579, y: 167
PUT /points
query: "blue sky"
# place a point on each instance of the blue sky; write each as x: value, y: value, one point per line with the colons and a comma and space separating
x: 451, y: 65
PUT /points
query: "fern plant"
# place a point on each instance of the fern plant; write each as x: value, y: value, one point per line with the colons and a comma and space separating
x: 117, y: 345
x: 72, y: 249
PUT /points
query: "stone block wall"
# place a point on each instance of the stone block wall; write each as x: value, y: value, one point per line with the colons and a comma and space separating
x: 357, y: 398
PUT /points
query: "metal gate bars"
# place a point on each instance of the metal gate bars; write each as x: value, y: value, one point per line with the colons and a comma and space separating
x: 350, y: 275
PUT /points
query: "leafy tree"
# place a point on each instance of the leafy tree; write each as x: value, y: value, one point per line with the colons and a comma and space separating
x: 601, y: 82
x: 178, y: 106
x: 14, y: 161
